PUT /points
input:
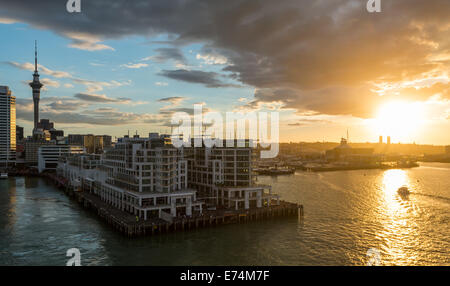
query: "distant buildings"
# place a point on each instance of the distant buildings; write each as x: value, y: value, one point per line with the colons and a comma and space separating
x: 45, y: 124
x: 76, y: 139
x: 45, y: 131
x: 438, y: 157
x: 7, y: 128
x: 43, y: 135
x: 57, y: 135
x: 388, y: 139
x: 344, y: 152
x: 94, y: 144
x: 19, y: 133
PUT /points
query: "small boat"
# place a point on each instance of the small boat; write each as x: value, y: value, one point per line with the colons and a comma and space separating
x: 3, y: 175
x: 403, y: 191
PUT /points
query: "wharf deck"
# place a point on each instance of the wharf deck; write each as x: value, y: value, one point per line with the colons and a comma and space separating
x: 130, y: 226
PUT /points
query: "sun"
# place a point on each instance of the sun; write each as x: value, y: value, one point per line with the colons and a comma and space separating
x: 400, y: 120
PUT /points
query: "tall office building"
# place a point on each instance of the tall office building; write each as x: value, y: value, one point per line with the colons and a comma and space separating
x: 36, y: 85
x: 7, y: 127
x: 107, y: 141
x: 19, y: 133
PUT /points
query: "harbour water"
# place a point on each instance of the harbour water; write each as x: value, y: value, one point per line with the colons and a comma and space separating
x: 346, y: 214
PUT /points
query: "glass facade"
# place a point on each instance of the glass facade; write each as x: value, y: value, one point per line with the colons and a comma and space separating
x: 7, y: 127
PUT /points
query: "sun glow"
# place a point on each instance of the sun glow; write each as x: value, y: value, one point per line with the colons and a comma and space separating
x: 400, y: 120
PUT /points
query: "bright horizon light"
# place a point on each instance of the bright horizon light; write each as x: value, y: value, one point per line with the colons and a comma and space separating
x: 401, y: 120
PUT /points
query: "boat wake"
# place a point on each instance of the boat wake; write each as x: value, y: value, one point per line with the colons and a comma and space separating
x: 432, y: 196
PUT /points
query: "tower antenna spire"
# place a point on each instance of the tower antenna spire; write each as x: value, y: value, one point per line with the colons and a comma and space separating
x: 35, y: 56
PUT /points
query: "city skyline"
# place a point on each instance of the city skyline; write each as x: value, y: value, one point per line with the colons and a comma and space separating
x: 110, y: 80
x: 218, y: 135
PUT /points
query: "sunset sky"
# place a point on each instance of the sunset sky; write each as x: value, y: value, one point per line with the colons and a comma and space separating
x: 326, y: 66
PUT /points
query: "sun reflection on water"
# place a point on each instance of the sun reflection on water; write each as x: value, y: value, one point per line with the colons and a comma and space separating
x: 394, y: 179
x: 394, y: 208
x: 399, y: 227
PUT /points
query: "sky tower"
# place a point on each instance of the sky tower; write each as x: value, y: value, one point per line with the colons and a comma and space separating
x: 36, y: 85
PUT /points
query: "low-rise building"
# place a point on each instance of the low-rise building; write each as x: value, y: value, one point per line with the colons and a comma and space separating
x: 49, y: 155
x: 31, y: 150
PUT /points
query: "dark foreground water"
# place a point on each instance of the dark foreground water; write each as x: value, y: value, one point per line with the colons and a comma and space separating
x: 346, y: 213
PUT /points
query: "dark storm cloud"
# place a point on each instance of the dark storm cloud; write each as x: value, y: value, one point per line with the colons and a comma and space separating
x: 322, y: 56
x: 209, y: 79
x: 165, y: 54
x: 100, y: 98
x: 172, y: 99
x: 65, y: 105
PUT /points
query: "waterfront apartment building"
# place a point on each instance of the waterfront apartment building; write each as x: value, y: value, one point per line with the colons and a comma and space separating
x: 81, y: 170
x: 7, y: 128
x: 223, y: 176
x: 49, y: 155
x: 142, y: 176
x: 150, y: 178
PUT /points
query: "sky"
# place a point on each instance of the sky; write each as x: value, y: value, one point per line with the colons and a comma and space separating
x: 325, y: 66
